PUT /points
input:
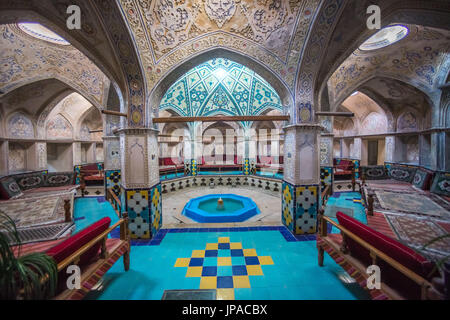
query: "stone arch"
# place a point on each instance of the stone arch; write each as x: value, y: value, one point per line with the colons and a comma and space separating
x: 179, y: 70
x: 59, y: 127
x: 351, y: 30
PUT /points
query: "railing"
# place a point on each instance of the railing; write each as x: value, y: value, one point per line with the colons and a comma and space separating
x: 375, y: 254
x: 114, y: 200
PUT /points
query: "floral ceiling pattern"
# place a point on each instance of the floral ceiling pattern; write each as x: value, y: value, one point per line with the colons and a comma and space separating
x: 168, y: 31
x: 416, y: 59
x: 220, y: 86
x: 25, y: 59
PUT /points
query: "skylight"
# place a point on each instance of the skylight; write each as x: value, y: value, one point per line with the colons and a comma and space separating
x: 385, y: 37
x: 38, y: 31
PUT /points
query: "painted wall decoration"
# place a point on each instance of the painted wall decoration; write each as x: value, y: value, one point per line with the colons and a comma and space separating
x: 84, y: 132
x: 374, y: 123
x: 25, y: 59
x: 167, y: 31
x: 20, y: 126
x: 41, y: 155
x: 16, y: 157
x: 59, y: 128
x: 407, y: 122
x: 220, y: 86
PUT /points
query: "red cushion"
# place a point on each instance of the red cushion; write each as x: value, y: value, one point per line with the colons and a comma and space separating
x: 168, y: 162
x: 89, y: 167
x: 67, y: 247
x: 394, y: 249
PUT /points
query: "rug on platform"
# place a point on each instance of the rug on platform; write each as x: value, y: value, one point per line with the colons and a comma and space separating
x: 425, y: 204
x: 43, y: 233
x: 416, y: 233
x: 36, y: 211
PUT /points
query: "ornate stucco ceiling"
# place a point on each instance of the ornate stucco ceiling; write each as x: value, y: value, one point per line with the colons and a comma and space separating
x: 25, y: 59
x: 220, y: 86
x: 419, y: 59
x: 167, y: 32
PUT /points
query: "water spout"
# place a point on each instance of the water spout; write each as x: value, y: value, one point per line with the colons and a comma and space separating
x: 220, y: 205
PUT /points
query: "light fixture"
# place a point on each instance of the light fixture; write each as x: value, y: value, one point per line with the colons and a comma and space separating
x: 385, y: 37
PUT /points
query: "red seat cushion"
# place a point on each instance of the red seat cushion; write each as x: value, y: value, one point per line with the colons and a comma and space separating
x: 394, y: 249
x: 67, y: 247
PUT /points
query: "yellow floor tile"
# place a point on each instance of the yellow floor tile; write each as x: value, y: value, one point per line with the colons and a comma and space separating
x: 224, y: 261
x: 224, y: 240
x: 265, y: 260
x: 208, y: 283
x: 235, y: 245
x: 225, y: 294
x: 198, y: 253
x: 212, y: 246
x: 254, y: 270
x: 250, y: 253
x: 194, y: 272
x: 241, y: 282
x: 182, y: 262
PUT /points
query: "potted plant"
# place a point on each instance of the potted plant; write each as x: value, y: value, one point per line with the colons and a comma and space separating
x: 29, y: 276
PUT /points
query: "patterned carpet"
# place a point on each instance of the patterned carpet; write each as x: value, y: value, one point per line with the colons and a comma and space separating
x: 404, y: 202
x: 39, y: 218
x: 416, y: 232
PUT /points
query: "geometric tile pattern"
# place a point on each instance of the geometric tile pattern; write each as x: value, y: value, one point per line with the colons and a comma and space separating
x: 326, y: 178
x: 307, y: 202
x: 224, y: 265
x: 299, y: 208
x: 156, y: 209
x: 77, y: 170
x: 113, y: 179
x: 138, y: 213
x: 287, y: 216
x: 194, y: 170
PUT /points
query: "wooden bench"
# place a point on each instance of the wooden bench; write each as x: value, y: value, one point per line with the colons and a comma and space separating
x: 337, y: 246
x: 110, y: 251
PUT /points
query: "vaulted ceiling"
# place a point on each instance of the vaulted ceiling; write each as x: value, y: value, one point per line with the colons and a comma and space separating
x: 167, y: 32
x: 220, y: 86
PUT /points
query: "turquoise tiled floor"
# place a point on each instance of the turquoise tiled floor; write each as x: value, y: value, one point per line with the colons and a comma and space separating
x: 348, y: 200
x: 89, y: 210
x: 295, y: 273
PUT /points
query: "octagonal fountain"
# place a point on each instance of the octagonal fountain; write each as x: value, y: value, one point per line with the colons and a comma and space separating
x: 216, y: 208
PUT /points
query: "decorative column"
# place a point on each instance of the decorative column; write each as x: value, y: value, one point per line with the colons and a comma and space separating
x: 190, y: 150
x: 111, y: 151
x: 141, y: 188
x: 326, y: 154
x: 250, y: 147
x: 76, y: 154
x: 301, y: 190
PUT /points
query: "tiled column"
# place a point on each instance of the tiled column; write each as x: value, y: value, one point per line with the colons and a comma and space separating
x: 190, y: 160
x: 141, y: 188
x: 76, y: 153
x: 326, y: 154
x: 111, y: 150
x: 249, y: 161
x: 301, y: 190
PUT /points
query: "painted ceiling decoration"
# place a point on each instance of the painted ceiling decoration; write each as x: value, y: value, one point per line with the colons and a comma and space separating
x: 418, y: 59
x: 220, y: 86
x: 40, y: 32
x: 26, y: 59
x: 167, y: 32
x: 385, y: 37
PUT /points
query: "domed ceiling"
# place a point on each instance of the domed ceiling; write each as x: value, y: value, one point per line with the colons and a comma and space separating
x: 220, y: 86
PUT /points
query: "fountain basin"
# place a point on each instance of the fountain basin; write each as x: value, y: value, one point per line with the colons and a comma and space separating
x: 235, y: 208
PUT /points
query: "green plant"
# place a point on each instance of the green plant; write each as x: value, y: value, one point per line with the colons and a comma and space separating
x: 440, y: 263
x: 30, y: 276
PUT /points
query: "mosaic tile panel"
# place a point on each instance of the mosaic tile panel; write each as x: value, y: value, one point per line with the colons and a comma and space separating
x: 326, y: 178
x: 287, y: 206
x: 249, y: 166
x: 138, y: 213
x: 156, y: 209
x: 113, y: 178
x: 307, y: 202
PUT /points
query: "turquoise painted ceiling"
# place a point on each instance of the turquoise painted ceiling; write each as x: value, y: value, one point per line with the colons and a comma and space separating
x: 220, y: 86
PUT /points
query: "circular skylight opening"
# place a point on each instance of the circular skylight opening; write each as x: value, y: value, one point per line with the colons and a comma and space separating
x: 38, y: 31
x: 385, y: 37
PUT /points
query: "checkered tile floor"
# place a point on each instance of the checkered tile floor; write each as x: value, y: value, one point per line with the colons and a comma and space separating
x: 224, y: 264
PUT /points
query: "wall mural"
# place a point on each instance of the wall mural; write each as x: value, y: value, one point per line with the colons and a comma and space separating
x: 167, y: 32
x: 374, y: 123
x: 20, y: 126
x: 84, y: 132
x: 407, y: 122
x: 25, y: 59
x: 220, y: 86
x: 59, y: 128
